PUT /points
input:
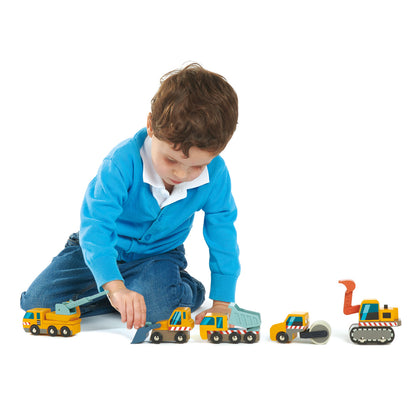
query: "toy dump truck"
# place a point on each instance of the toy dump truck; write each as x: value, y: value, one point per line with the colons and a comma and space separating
x: 242, y: 326
x: 65, y: 320
x: 298, y: 324
x: 175, y: 329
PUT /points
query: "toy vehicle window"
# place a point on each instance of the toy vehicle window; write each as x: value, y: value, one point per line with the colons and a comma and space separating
x: 208, y: 320
x: 294, y: 320
x: 29, y: 315
x: 219, y: 322
x: 369, y: 311
x: 176, y: 319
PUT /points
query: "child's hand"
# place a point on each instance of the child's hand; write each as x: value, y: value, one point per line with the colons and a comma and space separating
x: 130, y: 304
x: 217, y: 307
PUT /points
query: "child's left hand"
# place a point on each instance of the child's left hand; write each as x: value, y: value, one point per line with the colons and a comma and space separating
x: 217, y: 307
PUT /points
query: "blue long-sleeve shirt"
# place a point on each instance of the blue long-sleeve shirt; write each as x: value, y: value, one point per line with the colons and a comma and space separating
x: 121, y: 220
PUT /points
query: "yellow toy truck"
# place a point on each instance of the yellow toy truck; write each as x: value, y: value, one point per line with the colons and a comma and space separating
x: 65, y: 320
x: 175, y: 329
x: 298, y: 324
x: 44, y: 321
x: 243, y: 326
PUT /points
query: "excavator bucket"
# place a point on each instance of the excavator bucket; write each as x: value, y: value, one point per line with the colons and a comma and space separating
x: 142, y: 332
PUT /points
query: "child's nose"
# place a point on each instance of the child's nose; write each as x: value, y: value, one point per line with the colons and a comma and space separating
x: 180, y: 173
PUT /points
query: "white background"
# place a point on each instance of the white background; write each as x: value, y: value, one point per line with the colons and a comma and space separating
x: 323, y: 170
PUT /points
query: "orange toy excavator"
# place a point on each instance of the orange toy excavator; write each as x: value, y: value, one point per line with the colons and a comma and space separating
x: 375, y: 325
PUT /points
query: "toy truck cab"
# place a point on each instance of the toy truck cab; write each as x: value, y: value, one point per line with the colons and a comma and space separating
x: 213, y: 323
x: 370, y: 311
x: 180, y: 318
x: 287, y: 331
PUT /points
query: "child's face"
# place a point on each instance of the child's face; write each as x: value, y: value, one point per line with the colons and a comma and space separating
x: 174, y: 167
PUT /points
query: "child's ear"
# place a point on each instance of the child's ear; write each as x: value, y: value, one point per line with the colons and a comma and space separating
x: 149, y: 125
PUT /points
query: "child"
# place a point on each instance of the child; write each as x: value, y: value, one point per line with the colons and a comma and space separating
x: 138, y: 211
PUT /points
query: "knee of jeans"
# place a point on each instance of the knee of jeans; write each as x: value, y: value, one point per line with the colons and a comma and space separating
x: 181, y: 295
x: 36, y: 298
x: 163, y: 290
x: 23, y: 301
x: 28, y: 302
x: 166, y: 299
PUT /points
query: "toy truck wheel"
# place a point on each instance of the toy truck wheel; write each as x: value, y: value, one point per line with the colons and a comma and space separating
x: 34, y: 329
x: 180, y: 337
x: 216, y: 338
x: 282, y: 337
x: 52, y: 331
x: 65, y: 331
x: 235, y: 338
x: 156, y: 337
x: 250, y: 337
x: 321, y: 326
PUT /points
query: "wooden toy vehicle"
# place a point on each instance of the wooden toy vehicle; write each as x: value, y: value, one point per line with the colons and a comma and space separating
x: 243, y: 325
x: 175, y: 329
x: 375, y: 325
x: 298, y: 324
x: 215, y: 327
x: 65, y: 320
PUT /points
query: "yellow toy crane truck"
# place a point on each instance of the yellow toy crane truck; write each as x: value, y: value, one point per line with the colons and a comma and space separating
x: 298, y: 324
x: 175, y: 329
x: 243, y: 325
x: 65, y: 320
x: 375, y: 325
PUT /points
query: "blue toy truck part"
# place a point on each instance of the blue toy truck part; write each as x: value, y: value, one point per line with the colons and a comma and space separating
x: 69, y: 307
x: 142, y: 332
x: 244, y: 318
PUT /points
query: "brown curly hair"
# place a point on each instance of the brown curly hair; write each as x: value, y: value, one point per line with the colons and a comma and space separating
x: 194, y: 107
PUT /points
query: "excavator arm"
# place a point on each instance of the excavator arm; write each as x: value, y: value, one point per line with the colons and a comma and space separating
x: 348, y: 308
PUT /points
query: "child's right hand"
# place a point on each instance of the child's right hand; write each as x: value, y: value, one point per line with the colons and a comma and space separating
x: 130, y: 304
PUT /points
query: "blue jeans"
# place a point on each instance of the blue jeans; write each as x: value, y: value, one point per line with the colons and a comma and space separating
x: 161, y: 279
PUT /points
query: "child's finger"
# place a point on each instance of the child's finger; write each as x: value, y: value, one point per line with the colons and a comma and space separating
x: 139, y: 312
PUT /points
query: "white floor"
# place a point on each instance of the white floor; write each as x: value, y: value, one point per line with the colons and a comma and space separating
x: 99, y: 371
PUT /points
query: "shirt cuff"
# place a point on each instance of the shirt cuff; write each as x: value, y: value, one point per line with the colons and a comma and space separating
x: 223, y: 287
x: 105, y: 270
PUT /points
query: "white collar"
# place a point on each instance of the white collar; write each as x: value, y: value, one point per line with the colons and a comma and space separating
x: 157, y: 186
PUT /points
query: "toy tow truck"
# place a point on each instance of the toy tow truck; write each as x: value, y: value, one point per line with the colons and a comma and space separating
x: 242, y: 326
x: 65, y: 320
x: 298, y: 324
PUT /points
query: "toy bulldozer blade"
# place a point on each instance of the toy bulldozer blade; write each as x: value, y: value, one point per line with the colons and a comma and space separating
x: 142, y: 332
